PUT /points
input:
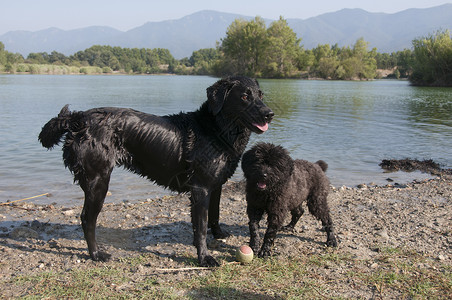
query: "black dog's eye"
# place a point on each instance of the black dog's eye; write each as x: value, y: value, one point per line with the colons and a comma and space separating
x: 244, y: 97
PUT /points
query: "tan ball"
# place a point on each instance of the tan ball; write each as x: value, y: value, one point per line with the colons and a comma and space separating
x: 244, y: 254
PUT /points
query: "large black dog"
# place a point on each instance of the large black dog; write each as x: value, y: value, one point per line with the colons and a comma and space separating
x: 192, y: 152
x: 277, y: 184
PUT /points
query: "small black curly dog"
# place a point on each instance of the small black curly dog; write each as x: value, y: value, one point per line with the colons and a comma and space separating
x: 192, y: 152
x: 277, y: 184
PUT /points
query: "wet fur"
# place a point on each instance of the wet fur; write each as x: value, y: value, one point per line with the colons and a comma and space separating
x: 277, y: 184
x: 192, y: 152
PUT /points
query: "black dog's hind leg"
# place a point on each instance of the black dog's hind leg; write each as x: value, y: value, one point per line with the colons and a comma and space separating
x: 296, y: 215
x: 318, y: 207
x: 200, y: 198
x: 214, y: 215
x: 95, y: 191
x: 254, y: 215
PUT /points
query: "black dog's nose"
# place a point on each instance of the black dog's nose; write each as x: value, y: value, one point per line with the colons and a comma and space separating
x: 269, y: 116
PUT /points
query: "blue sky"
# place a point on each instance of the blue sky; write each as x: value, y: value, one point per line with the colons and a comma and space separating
x: 35, y: 15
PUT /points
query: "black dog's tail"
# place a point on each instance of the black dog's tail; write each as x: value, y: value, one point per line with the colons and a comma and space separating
x: 53, y: 131
x: 322, y: 165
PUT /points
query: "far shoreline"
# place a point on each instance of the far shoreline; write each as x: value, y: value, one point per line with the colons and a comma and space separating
x: 58, y: 69
x: 120, y: 73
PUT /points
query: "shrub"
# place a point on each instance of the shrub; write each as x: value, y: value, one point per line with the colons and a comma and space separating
x: 433, y: 60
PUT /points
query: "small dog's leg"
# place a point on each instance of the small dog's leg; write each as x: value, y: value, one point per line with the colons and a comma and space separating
x: 274, y: 225
x: 318, y: 207
x: 199, y: 212
x: 330, y: 237
x: 214, y: 215
x: 95, y: 192
x: 254, y: 216
x: 296, y: 215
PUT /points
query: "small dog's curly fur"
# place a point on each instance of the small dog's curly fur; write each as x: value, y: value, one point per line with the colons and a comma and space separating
x: 277, y: 184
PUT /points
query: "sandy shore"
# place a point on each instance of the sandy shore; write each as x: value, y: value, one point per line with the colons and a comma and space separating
x: 416, y: 216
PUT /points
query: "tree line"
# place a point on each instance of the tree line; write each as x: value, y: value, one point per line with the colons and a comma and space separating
x: 251, y: 48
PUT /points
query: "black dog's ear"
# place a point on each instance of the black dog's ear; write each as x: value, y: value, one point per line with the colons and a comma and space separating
x: 282, y: 159
x: 217, y: 94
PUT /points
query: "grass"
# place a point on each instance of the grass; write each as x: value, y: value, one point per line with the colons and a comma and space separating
x: 393, y: 273
x: 55, y: 69
x: 263, y: 278
x: 411, y: 274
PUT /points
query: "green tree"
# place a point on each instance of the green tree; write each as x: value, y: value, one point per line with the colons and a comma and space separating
x: 130, y: 60
x: 345, y: 63
x: 2, y: 54
x: 244, y: 46
x: 165, y: 56
x: 433, y: 60
x: 38, y: 58
x: 305, y: 60
x: 404, y: 62
x: 357, y: 62
x: 322, y: 51
x: 58, y: 58
x: 351, y: 68
x: 369, y: 70
x: 95, y: 56
x: 327, y: 67
x: 386, y: 61
x: 8, y: 60
x: 14, y: 58
x: 283, y: 49
x: 325, y: 62
x: 203, y: 60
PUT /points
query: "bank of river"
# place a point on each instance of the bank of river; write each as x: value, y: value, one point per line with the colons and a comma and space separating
x: 401, y: 231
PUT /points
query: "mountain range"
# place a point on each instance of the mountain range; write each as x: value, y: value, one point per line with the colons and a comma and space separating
x: 386, y: 32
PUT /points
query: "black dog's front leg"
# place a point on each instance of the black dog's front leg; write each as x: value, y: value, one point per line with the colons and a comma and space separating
x: 199, y: 211
x: 214, y: 215
x: 254, y: 215
x: 274, y: 225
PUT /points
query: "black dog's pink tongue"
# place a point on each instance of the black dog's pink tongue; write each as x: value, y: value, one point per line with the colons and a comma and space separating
x: 261, y: 185
x: 262, y: 127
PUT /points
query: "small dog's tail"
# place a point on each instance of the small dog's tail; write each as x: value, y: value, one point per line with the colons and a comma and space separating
x: 322, y: 165
x: 53, y: 131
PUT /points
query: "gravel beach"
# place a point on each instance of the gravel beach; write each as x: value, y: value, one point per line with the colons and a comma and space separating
x: 416, y: 216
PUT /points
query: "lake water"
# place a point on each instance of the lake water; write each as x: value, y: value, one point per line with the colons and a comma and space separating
x: 350, y: 125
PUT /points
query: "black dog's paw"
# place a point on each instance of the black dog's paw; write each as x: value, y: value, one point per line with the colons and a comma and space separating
x: 100, y: 256
x: 208, y: 261
x: 331, y: 242
x: 264, y: 253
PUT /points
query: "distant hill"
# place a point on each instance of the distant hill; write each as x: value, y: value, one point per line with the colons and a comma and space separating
x: 54, y: 39
x: 182, y: 36
x: 386, y: 32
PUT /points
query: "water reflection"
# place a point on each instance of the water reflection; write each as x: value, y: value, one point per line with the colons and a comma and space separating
x: 431, y: 106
